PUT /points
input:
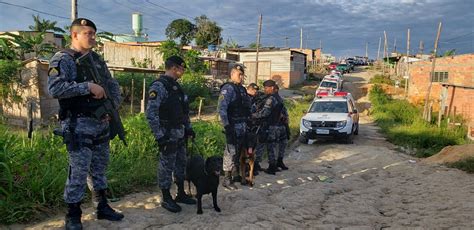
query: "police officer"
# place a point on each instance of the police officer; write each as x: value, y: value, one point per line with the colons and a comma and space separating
x: 283, y: 138
x: 168, y: 116
x: 85, y: 132
x: 272, y: 110
x: 257, y: 98
x: 234, y: 111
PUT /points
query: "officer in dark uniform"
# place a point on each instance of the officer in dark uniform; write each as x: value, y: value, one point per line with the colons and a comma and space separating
x: 283, y: 137
x: 234, y: 111
x: 168, y: 116
x: 271, y: 112
x: 257, y: 98
x: 85, y: 128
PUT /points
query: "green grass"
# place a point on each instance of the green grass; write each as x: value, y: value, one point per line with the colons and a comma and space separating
x: 465, y: 165
x: 381, y: 79
x: 403, y: 124
x: 295, y: 111
x: 33, y: 172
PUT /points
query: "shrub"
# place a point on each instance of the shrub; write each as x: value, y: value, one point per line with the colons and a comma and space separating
x: 125, y: 82
x: 403, y: 125
x: 194, y: 85
x: 295, y: 111
x: 381, y: 79
x: 9, y: 75
x: 465, y: 165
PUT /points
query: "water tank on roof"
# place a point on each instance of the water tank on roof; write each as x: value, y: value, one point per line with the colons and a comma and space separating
x: 137, y: 23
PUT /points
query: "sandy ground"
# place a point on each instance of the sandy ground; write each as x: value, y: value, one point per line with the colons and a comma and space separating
x: 365, y: 185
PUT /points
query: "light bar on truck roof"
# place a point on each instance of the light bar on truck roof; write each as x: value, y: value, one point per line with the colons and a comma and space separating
x: 340, y: 94
x: 322, y: 94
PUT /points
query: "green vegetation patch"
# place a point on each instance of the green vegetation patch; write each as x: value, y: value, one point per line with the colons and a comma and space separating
x: 403, y: 124
x: 465, y: 165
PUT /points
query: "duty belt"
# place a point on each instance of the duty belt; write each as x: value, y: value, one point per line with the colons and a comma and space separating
x: 238, y: 120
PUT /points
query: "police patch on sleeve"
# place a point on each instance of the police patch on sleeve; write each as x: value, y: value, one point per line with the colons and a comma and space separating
x: 53, y: 72
x: 152, y: 95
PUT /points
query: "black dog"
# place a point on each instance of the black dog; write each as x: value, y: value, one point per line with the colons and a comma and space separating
x: 205, y: 177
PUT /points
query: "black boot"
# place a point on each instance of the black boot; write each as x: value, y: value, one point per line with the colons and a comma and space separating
x: 272, y: 169
x: 236, y: 177
x: 281, y: 165
x: 73, y: 216
x: 168, y: 203
x: 228, y: 182
x: 182, y: 197
x: 104, y: 211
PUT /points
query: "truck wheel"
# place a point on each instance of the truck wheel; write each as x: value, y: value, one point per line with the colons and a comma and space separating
x: 303, y: 140
x: 350, y: 138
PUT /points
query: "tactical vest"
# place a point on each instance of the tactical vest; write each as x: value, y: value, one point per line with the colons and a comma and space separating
x: 259, y: 101
x: 238, y: 111
x: 174, y: 109
x: 274, y: 118
x: 81, y: 105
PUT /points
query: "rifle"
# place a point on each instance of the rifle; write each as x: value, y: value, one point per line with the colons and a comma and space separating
x: 116, y: 126
x: 287, y: 129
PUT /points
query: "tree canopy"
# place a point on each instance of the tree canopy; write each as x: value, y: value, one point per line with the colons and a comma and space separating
x: 181, y: 29
x: 208, y: 32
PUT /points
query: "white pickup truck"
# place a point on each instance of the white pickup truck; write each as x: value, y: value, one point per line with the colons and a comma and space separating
x: 330, y: 116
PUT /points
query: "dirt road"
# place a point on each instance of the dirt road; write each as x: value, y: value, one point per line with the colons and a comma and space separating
x: 365, y: 185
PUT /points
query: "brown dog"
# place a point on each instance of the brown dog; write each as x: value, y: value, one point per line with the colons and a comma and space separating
x: 247, y: 159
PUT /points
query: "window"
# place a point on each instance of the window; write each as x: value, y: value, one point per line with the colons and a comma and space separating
x: 329, y: 107
x: 439, y: 77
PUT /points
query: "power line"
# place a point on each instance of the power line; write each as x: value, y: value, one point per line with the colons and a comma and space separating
x: 160, y: 6
x: 28, y: 8
x: 460, y: 36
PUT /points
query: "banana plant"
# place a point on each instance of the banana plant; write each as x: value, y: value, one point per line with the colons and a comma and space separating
x: 25, y: 44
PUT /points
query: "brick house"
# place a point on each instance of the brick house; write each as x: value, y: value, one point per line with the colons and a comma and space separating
x: 452, y: 85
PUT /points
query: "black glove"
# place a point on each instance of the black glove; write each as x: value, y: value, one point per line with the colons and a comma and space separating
x: 229, y: 134
x: 190, y: 133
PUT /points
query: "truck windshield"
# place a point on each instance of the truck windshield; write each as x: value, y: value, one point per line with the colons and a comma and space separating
x: 329, y: 107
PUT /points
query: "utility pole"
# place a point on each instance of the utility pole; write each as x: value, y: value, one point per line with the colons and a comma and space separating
x: 73, y: 10
x: 378, y: 51
x: 385, y: 55
x: 426, y: 112
x: 395, y: 46
x: 407, y: 76
x: 366, y: 50
x: 258, y: 47
x: 301, y: 38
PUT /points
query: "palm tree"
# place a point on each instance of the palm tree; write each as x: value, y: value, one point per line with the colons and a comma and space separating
x: 42, y: 25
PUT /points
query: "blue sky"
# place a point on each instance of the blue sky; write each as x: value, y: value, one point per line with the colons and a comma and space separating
x: 343, y: 26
